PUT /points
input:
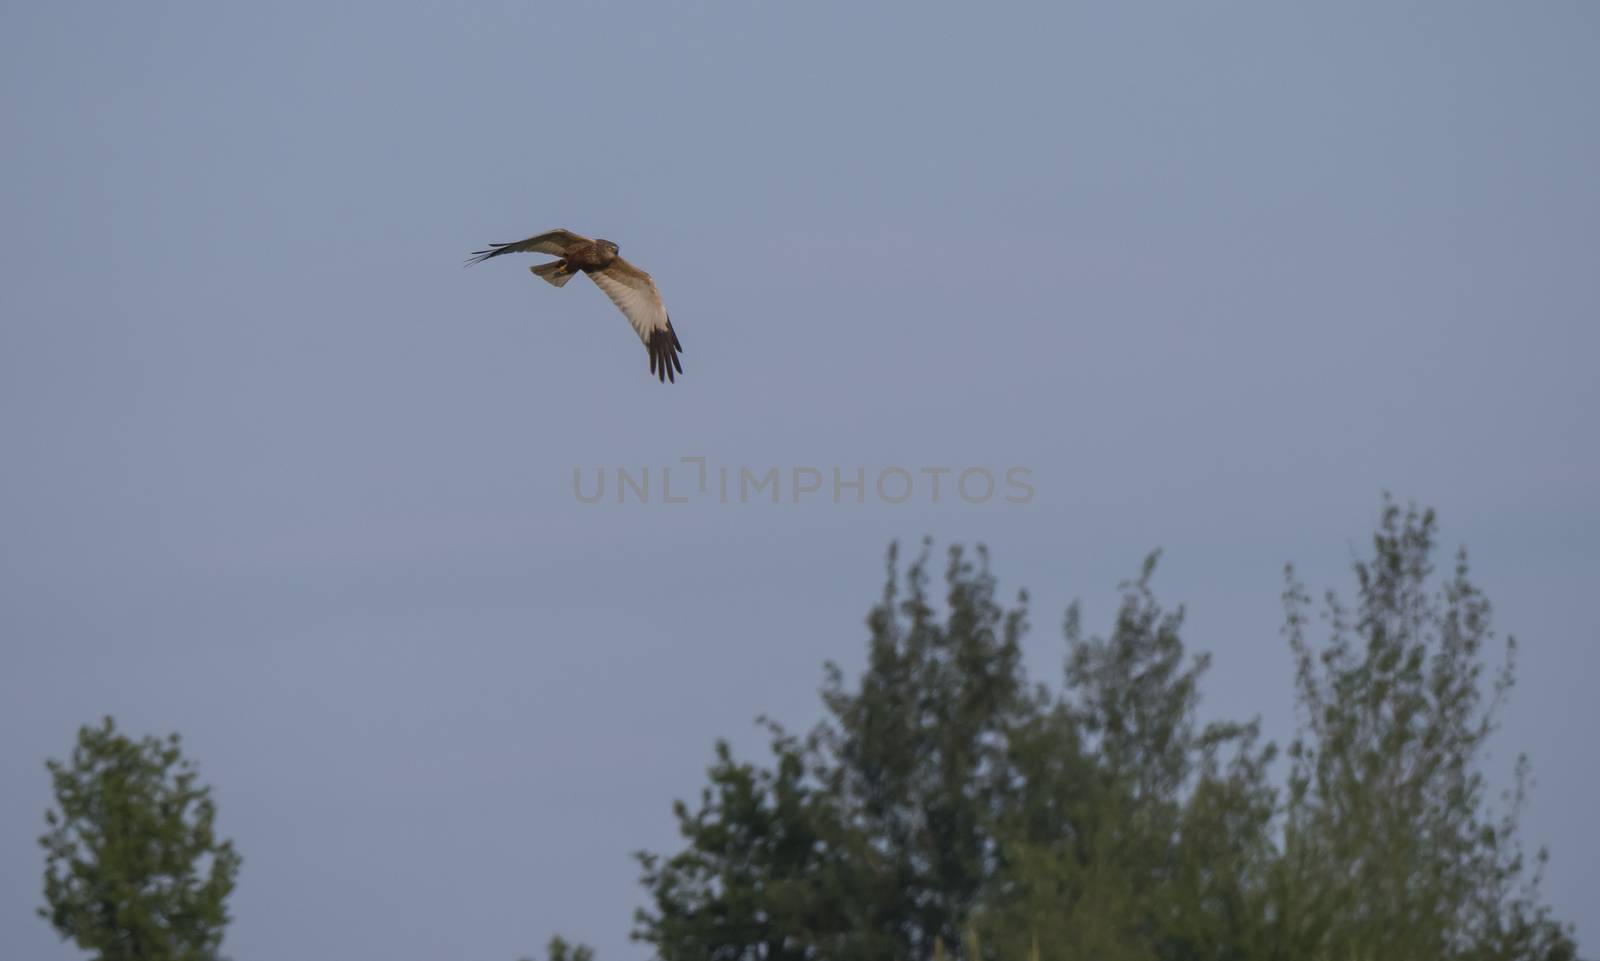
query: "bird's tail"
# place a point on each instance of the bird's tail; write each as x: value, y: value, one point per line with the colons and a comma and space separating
x: 555, y: 272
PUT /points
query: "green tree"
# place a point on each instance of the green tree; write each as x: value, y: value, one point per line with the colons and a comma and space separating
x: 944, y: 804
x: 1391, y: 847
x: 868, y: 838
x: 946, y: 809
x: 560, y: 950
x: 918, y: 754
x: 134, y: 870
x: 1133, y: 832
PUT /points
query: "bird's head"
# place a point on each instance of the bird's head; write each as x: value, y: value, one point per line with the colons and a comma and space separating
x: 609, y: 246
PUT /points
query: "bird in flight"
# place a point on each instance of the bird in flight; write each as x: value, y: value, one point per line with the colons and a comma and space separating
x: 630, y: 288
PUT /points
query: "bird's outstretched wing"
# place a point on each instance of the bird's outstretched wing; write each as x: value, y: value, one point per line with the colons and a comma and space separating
x: 635, y: 294
x: 551, y: 242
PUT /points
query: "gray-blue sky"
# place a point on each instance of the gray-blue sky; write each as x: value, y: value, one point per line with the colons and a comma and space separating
x: 278, y: 474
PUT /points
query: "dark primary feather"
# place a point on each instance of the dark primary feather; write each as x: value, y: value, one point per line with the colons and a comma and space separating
x: 664, y: 347
x: 495, y: 250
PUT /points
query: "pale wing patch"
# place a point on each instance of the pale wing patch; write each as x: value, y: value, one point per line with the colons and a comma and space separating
x: 634, y: 293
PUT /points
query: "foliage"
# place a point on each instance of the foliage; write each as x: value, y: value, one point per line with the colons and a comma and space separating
x: 945, y: 808
x: 1389, y: 845
x: 560, y: 950
x: 868, y: 837
x: 134, y: 870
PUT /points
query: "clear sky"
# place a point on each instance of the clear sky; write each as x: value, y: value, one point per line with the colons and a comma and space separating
x: 282, y: 476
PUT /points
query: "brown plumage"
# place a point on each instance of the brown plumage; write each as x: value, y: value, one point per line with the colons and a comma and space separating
x: 630, y: 288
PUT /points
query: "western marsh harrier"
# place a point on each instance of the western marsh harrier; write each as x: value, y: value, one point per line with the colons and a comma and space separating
x: 630, y: 288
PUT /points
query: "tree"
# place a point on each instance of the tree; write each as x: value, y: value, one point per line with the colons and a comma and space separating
x: 944, y: 804
x: 869, y: 837
x: 560, y: 950
x: 133, y: 869
x: 1391, y: 848
x: 1134, y: 832
x: 946, y: 809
